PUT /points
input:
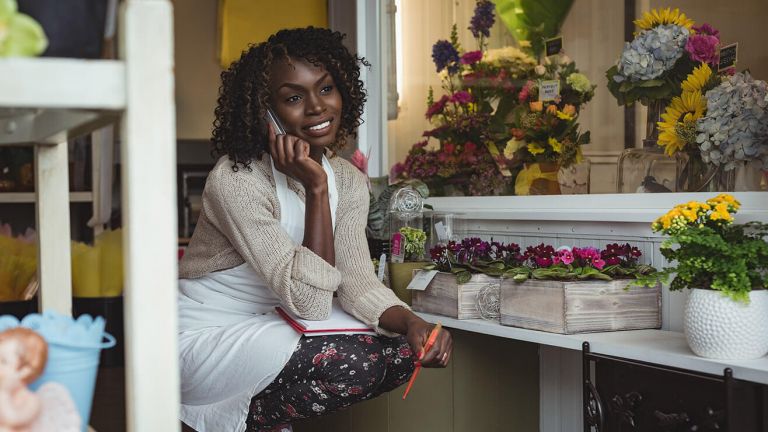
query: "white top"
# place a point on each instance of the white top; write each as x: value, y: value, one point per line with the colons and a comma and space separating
x: 232, y: 343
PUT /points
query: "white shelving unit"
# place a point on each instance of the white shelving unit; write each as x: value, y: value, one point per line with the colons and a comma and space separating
x: 45, y: 102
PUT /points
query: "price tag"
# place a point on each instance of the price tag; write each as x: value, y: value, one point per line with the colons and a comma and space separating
x: 729, y: 55
x: 553, y: 46
x: 382, y: 267
x: 397, y: 248
x: 549, y: 90
x: 421, y: 280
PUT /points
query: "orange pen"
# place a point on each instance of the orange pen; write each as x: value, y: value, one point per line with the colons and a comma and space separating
x: 430, y: 342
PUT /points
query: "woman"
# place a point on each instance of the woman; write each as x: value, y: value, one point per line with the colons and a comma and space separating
x: 283, y: 222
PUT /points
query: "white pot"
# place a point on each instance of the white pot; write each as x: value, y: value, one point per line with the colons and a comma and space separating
x: 718, y: 327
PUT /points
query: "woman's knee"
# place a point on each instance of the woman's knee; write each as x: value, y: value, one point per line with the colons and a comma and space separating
x: 353, y: 365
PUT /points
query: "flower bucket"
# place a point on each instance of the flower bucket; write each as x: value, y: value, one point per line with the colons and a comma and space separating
x: 73, y: 353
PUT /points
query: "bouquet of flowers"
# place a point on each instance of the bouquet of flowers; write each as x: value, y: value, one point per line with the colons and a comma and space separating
x: 545, y: 130
x: 480, y: 90
x: 735, y: 127
x: 710, y: 251
x: 665, y: 51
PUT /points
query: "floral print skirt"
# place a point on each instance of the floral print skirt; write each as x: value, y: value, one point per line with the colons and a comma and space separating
x: 328, y: 373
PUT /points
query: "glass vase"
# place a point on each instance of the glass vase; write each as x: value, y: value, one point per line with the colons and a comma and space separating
x: 648, y: 169
x: 699, y: 176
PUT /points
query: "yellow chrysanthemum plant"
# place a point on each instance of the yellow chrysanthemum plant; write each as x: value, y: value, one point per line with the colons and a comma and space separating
x: 667, y: 50
x: 709, y: 251
x: 677, y: 130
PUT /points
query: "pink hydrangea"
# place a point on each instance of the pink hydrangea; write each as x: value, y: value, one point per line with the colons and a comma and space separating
x: 471, y: 57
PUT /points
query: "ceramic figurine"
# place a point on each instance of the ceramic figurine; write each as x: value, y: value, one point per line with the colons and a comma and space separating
x: 23, y: 354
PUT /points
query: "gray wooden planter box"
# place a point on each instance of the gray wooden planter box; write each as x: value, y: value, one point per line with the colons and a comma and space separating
x: 444, y: 296
x: 579, y: 307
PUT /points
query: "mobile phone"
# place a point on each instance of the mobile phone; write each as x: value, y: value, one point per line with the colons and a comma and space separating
x: 271, y: 117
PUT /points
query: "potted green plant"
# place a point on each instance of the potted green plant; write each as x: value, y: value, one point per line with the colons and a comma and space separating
x: 724, y: 264
x: 407, y: 255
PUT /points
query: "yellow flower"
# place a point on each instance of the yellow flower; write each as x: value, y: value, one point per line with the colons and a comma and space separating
x: 697, y: 79
x: 536, y: 106
x: 535, y: 148
x: 524, y: 44
x: 721, y: 213
x: 727, y: 199
x: 552, y: 109
x: 680, y: 115
x: 556, y: 145
x: 663, y: 16
x: 507, y: 54
x: 564, y: 116
x: 579, y: 155
x: 513, y: 145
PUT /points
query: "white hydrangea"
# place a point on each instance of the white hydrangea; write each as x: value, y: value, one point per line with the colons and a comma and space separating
x: 735, y: 128
x: 652, y: 53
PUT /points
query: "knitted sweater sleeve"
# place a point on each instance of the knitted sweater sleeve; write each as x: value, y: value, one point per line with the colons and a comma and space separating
x: 242, y: 211
x: 360, y: 292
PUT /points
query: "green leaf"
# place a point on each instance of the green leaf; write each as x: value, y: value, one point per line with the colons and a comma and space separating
x: 533, y: 20
x: 7, y: 9
x: 651, y: 83
x: 463, y: 277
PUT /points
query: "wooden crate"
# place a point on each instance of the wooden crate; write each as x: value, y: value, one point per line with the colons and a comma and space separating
x: 445, y: 297
x: 579, y: 307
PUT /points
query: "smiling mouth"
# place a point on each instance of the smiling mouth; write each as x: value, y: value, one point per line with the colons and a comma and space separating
x: 321, y: 126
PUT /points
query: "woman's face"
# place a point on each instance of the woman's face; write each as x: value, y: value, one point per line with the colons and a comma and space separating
x: 306, y: 100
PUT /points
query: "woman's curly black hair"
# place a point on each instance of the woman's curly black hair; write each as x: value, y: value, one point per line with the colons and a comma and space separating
x: 239, y: 130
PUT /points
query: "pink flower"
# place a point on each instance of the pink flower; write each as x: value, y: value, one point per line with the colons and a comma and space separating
x: 707, y: 30
x: 397, y: 170
x: 598, y: 263
x: 703, y: 48
x: 471, y: 57
x: 360, y: 161
x: 565, y: 256
x: 461, y: 97
x: 437, y: 107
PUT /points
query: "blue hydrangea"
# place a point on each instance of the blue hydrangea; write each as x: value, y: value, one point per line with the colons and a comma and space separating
x: 735, y: 128
x: 652, y: 53
x: 444, y: 55
x: 483, y: 19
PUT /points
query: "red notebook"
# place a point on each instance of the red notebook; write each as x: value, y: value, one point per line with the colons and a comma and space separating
x: 340, y: 322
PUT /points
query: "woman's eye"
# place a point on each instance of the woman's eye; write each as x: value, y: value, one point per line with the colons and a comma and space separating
x: 326, y: 89
x: 293, y: 99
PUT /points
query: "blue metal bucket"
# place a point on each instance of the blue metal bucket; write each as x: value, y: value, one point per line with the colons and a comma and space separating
x: 73, y: 353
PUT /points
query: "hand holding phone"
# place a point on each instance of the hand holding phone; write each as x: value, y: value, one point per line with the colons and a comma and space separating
x: 271, y: 118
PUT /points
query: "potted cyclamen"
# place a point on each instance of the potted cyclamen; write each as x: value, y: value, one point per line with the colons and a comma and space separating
x: 465, y: 268
x: 580, y: 289
x: 724, y: 264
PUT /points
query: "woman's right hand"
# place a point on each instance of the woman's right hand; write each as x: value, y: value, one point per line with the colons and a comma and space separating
x: 291, y: 157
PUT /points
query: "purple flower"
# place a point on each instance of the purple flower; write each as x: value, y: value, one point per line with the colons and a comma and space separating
x: 461, y: 97
x: 707, y: 30
x: 483, y: 19
x: 471, y: 57
x: 703, y: 48
x: 444, y: 55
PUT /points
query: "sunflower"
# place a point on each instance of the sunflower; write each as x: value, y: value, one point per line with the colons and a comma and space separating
x: 679, y: 125
x: 698, y: 79
x: 663, y: 16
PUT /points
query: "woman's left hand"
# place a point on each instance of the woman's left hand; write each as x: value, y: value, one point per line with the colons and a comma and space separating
x: 439, y: 354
